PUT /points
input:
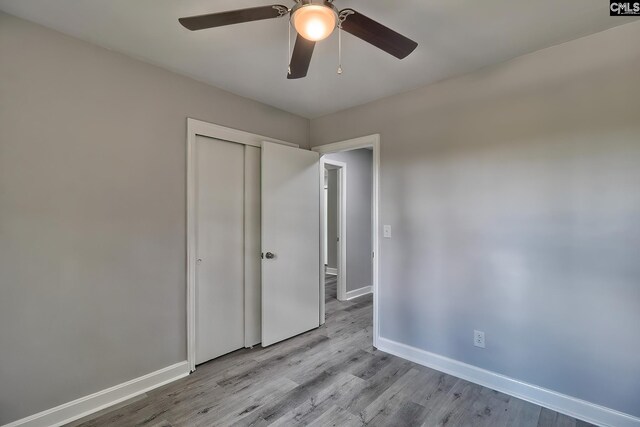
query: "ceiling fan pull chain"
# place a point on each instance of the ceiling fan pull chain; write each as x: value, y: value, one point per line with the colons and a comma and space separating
x: 341, y: 17
x: 289, y: 50
x: 339, y: 49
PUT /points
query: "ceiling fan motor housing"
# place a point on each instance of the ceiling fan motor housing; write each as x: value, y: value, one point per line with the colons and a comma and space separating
x: 304, y: 3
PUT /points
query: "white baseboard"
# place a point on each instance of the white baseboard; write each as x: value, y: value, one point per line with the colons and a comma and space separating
x: 332, y: 271
x: 358, y: 292
x: 95, y: 402
x: 562, y: 403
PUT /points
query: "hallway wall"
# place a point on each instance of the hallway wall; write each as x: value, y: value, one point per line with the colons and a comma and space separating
x: 359, y: 192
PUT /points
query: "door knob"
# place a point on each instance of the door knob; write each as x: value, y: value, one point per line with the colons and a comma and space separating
x: 269, y: 255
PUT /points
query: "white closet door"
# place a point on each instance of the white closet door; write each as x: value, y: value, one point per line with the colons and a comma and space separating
x: 290, y: 242
x: 219, y: 247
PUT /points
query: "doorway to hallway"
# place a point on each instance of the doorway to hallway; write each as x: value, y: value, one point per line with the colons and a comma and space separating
x: 351, y: 169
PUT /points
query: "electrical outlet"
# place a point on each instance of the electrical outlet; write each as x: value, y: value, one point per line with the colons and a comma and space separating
x: 478, y: 339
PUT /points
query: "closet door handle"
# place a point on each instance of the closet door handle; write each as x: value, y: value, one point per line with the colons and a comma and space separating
x: 270, y: 255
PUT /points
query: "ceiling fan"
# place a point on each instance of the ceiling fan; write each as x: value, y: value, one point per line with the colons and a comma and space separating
x: 313, y: 20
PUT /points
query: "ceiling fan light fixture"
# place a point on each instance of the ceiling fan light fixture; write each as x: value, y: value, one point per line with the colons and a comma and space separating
x: 314, y: 21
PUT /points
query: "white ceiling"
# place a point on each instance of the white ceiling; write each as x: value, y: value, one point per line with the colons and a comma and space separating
x: 454, y: 36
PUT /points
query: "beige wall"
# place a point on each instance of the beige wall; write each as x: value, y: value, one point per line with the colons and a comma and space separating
x: 92, y: 212
x: 514, y: 196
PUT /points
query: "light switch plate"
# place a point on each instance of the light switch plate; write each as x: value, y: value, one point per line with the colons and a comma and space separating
x: 386, y: 230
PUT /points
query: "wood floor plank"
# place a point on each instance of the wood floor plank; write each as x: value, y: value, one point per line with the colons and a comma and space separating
x: 375, y: 386
x: 90, y: 420
x: 389, y: 402
x: 271, y: 413
x: 336, y: 417
x: 408, y: 414
x: 330, y: 376
x: 457, y: 406
x: 326, y: 400
x: 520, y: 413
x: 241, y: 408
x: 335, y: 359
x: 547, y: 418
x: 429, y: 387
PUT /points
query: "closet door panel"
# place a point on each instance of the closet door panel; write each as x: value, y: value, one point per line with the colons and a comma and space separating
x: 220, y: 176
x: 253, y: 265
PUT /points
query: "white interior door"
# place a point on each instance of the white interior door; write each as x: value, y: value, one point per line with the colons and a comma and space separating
x: 290, y: 242
x: 219, y: 174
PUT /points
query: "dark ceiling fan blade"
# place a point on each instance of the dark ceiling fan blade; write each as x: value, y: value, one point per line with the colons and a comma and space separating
x: 377, y: 34
x: 211, y: 20
x: 301, y: 58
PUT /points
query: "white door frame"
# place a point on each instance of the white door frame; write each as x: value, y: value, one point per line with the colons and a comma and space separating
x: 341, y: 167
x: 195, y: 128
x: 370, y: 141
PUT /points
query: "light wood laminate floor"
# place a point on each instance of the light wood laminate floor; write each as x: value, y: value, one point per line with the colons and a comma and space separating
x: 331, y: 376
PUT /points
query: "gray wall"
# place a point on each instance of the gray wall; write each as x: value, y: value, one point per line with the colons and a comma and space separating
x: 92, y: 212
x: 359, y: 184
x: 332, y: 218
x: 514, y: 196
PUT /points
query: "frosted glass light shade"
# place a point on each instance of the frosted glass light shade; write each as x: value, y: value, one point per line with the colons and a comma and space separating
x: 314, y: 22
